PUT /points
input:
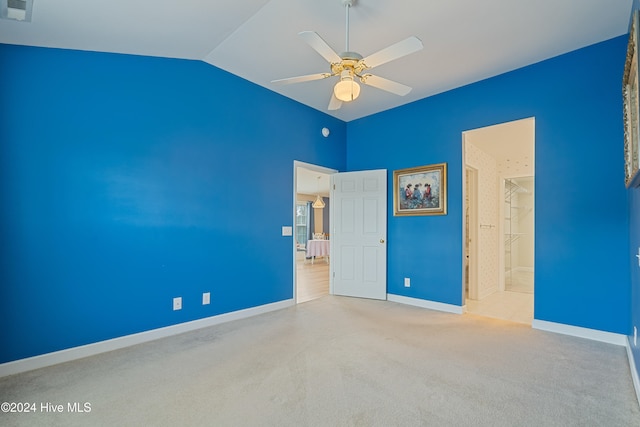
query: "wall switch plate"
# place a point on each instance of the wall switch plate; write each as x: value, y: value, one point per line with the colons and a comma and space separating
x: 206, y: 298
x: 407, y: 282
x: 287, y: 231
x: 177, y: 303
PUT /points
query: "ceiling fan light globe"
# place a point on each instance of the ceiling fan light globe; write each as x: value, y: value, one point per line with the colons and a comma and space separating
x: 346, y: 90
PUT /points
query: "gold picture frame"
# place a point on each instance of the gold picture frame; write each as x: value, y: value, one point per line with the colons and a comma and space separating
x: 631, y: 111
x: 420, y: 191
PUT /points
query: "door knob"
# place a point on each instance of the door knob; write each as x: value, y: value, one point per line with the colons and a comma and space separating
x: 381, y: 240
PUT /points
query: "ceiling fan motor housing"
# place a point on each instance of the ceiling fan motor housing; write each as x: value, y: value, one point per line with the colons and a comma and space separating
x: 350, y: 61
x: 354, y: 56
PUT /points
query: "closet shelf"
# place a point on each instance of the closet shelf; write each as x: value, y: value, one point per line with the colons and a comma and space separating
x: 512, y: 237
x: 511, y: 187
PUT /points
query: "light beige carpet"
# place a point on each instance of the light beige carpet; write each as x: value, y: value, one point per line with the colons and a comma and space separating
x: 342, y: 362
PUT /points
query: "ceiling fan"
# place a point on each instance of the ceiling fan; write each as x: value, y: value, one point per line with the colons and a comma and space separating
x: 351, y: 65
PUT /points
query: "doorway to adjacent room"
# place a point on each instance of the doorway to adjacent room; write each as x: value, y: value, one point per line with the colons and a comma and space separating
x: 311, y: 224
x: 499, y: 220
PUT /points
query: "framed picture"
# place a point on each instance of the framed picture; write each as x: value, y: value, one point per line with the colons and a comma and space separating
x: 420, y: 191
x: 630, y: 107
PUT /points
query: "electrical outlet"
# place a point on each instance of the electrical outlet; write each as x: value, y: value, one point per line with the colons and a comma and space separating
x: 206, y: 298
x: 287, y: 230
x: 407, y: 282
x: 177, y: 303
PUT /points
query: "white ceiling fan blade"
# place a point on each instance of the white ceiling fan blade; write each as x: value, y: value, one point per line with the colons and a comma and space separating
x: 385, y: 84
x: 301, y: 79
x: 395, y: 51
x: 316, y: 42
x: 335, y: 103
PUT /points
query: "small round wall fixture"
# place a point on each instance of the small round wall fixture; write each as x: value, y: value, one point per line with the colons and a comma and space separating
x: 325, y: 132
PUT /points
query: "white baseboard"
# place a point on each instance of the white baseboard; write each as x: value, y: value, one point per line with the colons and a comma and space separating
x: 41, y: 361
x: 432, y: 305
x: 576, y: 331
x: 634, y: 371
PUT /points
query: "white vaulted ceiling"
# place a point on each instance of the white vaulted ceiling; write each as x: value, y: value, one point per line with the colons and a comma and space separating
x: 464, y: 40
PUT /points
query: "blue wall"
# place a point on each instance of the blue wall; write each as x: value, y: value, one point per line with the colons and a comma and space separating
x: 126, y: 181
x: 634, y: 234
x: 581, y: 271
x: 634, y: 248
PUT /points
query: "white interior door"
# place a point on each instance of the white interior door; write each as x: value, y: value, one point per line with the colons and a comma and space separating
x: 359, y: 234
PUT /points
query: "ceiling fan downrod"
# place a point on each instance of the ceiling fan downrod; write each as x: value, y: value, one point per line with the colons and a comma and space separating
x: 347, y: 5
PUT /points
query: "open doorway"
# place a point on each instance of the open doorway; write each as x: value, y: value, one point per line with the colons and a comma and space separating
x: 498, y: 228
x: 311, y: 231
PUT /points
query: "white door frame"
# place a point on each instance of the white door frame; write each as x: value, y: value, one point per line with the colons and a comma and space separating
x: 471, y: 192
x: 315, y: 168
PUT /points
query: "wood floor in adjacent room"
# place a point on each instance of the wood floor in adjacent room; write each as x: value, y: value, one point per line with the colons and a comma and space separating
x: 312, y: 279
